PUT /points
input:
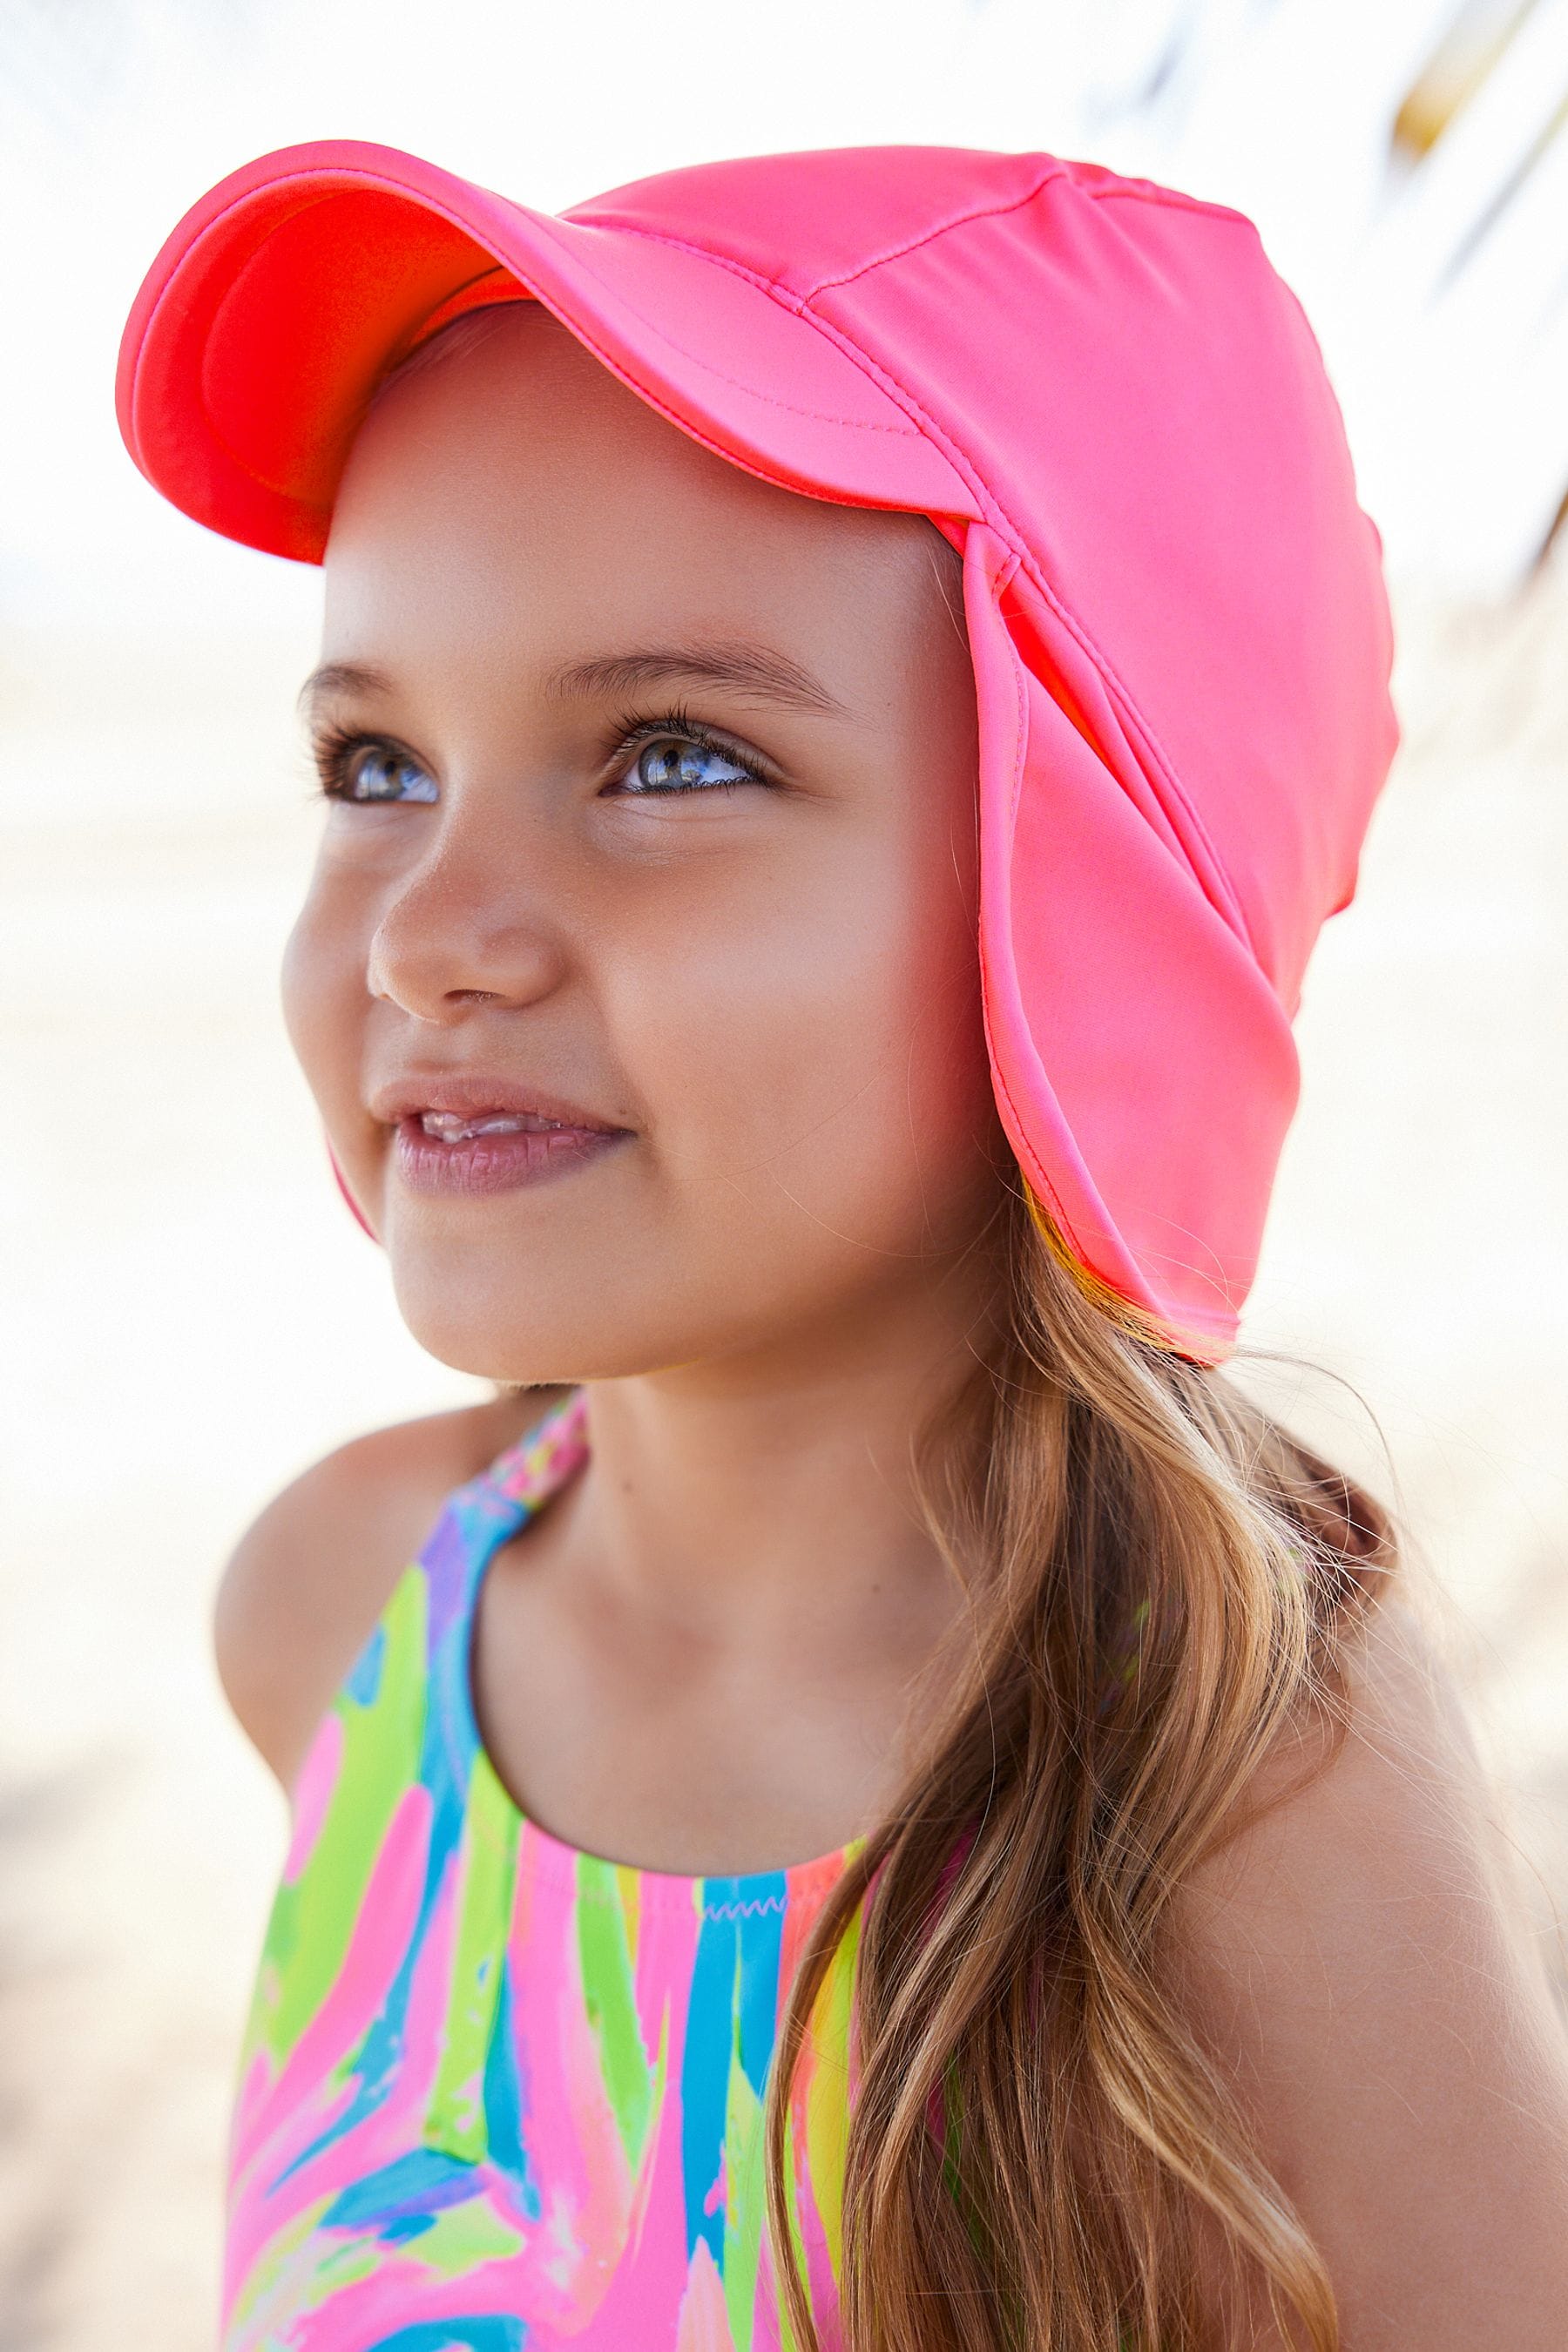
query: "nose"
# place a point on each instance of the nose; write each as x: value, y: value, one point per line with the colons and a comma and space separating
x: 470, y: 924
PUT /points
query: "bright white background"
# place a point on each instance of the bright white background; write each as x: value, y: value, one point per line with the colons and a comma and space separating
x: 189, y: 1314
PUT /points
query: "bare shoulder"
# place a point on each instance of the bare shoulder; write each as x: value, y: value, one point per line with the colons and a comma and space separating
x: 1360, y: 1964
x: 303, y: 1588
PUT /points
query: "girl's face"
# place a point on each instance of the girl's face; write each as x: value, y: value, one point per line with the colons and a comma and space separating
x: 657, y: 822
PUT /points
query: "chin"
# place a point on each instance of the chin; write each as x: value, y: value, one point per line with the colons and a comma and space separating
x: 531, y: 1346
x: 526, y: 1331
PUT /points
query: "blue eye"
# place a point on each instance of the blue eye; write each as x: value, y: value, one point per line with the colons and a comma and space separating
x: 676, y: 763
x: 366, y: 771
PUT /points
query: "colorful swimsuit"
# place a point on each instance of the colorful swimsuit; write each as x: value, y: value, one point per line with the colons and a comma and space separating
x: 497, y: 2095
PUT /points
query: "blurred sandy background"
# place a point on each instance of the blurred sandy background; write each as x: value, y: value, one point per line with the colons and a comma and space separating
x: 189, y: 1314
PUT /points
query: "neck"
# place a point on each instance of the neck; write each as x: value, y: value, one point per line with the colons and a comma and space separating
x: 770, y: 1495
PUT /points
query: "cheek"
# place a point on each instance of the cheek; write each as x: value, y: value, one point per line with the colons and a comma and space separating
x: 820, y: 1057
x: 321, y: 989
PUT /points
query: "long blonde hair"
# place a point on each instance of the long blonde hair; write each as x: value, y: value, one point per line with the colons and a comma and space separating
x: 1159, y: 1580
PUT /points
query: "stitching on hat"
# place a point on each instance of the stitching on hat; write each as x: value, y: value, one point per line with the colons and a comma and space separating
x: 1227, y: 904
x: 1020, y: 693
x: 912, y: 245
x: 1172, y: 199
x: 800, y: 303
x: 683, y: 424
x: 1020, y: 751
x: 792, y: 408
x: 925, y: 424
x: 781, y: 293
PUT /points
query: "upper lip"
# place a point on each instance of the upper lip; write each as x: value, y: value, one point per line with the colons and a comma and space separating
x: 470, y: 1094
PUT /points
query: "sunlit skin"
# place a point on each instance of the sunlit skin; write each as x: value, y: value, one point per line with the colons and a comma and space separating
x: 698, y: 1659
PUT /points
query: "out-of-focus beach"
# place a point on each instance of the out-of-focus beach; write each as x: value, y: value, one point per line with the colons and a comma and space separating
x: 194, y: 1316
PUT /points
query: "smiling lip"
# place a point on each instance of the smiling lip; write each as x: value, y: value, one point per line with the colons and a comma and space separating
x: 542, y: 1137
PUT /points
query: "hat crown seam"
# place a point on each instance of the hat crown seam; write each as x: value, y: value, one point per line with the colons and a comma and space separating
x: 545, y: 223
x: 797, y: 300
x: 1150, y: 191
x: 1058, y: 170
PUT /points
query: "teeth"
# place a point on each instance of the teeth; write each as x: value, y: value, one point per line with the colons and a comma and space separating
x: 450, y: 1127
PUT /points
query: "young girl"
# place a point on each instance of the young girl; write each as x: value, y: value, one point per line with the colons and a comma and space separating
x: 870, y: 1799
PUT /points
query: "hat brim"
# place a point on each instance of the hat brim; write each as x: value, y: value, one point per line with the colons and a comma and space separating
x: 278, y: 303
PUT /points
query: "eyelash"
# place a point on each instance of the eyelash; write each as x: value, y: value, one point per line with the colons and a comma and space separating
x: 331, y: 751
x: 335, y: 745
x: 630, y: 734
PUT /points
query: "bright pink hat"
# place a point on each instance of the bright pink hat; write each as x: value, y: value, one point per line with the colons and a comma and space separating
x: 1102, y: 394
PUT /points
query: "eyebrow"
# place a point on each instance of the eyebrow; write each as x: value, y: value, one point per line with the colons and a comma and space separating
x: 742, y: 666
x: 752, y: 670
x: 344, y: 678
